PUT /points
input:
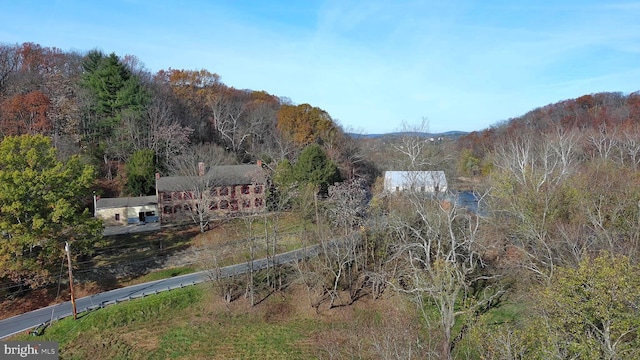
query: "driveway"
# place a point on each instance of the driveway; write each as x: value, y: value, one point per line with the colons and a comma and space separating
x: 131, y: 229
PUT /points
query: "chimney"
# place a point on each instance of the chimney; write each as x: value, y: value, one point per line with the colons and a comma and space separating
x: 259, y: 162
x: 157, y: 176
x: 200, y: 169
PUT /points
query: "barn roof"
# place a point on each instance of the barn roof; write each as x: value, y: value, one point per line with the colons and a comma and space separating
x: 417, y: 179
x: 105, y: 203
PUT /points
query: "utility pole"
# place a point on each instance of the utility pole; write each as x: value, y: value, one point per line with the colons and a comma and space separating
x: 95, y: 205
x: 67, y: 249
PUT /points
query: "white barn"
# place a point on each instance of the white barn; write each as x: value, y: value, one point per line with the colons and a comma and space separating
x: 421, y: 181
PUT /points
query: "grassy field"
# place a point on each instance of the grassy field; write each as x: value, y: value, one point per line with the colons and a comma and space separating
x: 194, y: 323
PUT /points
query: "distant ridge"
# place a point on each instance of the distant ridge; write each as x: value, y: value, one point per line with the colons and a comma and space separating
x: 448, y: 134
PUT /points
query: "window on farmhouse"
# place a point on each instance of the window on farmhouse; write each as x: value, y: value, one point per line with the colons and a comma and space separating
x: 224, y: 204
x: 258, y: 189
x: 224, y: 191
x: 166, y: 196
x: 213, y: 205
x: 233, y: 191
x: 117, y: 217
x: 213, y: 192
x: 245, y: 189
x: 257, y: 202
x: 246, y: 203
x: 167, y: 210
x: 234, y: 205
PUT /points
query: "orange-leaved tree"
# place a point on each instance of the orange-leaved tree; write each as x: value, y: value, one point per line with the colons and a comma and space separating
x: 25, y: 114
x: 304, y: 124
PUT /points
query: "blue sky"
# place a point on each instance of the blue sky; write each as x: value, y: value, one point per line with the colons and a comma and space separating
x: 372, y: 65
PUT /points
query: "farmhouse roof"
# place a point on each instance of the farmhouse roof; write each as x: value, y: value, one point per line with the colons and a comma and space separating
x: 223, y: 175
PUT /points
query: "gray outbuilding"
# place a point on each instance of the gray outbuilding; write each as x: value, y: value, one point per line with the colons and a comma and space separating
x: 126, y: 211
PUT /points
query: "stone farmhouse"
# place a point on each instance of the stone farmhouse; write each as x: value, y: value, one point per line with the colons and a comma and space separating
x: 216, y: 192
x: 219, y: 191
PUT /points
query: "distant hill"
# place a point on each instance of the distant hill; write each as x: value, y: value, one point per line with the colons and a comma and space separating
x: 448, y: 134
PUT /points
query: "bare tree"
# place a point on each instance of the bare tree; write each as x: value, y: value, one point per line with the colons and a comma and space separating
x: 603, y: 142
x: 210, y: 258
x: 230, y: 119
x: 418, y: 150
x: 9, y: 60
x: 333, y: 274
x: 413, y: 144
x: 347, y: 204
x: 190, y: 170
x: 528, y: 193
x: 264, y: 137
x: 250, y: 290
x: 630, y: 146
x: 565, y: 146
x: 438, y: 260
x: 156, y: 129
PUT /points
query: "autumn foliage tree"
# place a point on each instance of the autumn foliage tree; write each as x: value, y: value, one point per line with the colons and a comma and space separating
x: 25, y: 114
x: 190, y: 89
x: 305, y: 124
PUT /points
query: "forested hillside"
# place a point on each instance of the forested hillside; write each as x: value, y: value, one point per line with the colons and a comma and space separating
x: 602, y: 118
x: 109, y: 109
x: 562, y: 190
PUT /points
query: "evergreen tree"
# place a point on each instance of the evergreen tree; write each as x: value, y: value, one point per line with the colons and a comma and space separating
x: 114, y: 91
x: 141, y: 173
x: 315, y: 168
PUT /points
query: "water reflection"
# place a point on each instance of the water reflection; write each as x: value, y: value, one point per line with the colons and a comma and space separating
x: 468, y: 200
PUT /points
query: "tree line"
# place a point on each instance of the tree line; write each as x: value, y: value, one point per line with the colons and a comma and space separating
x: 109, y: 109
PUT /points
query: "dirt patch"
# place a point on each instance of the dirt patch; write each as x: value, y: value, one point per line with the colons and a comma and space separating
x: 39, y: 298
x: 103, y: 278
x: 277, y: 312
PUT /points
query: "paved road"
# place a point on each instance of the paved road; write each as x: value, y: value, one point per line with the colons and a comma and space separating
x: 32, y: 319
